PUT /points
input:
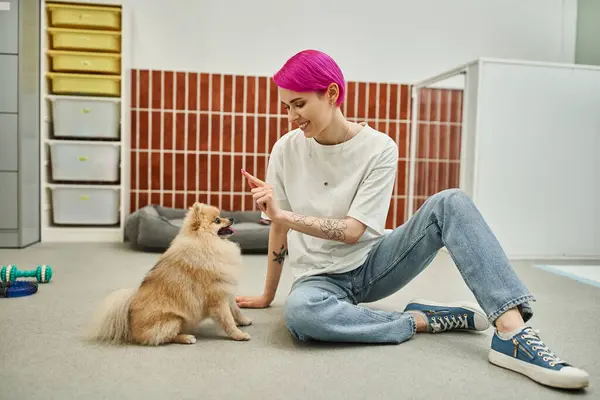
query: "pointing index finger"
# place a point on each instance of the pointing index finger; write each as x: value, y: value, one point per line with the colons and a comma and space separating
x: 253, y: 179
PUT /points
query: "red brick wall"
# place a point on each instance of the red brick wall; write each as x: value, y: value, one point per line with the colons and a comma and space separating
x: 438, y: 144
x: 191, y: 133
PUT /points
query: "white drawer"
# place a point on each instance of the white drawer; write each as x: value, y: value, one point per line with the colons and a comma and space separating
x: 85, y: 205
x: 85, y: 161
x: 81, y: 117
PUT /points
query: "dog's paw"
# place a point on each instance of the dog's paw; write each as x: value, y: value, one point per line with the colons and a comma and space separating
x: 185, y: 339
x: 244, y: 322
x: 242, y: 336
x: 190, y: 339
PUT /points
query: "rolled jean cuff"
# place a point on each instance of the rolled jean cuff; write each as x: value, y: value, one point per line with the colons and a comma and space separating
x: 413, y: 323
x: 521, y: 303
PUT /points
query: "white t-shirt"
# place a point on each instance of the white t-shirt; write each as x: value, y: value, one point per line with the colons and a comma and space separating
x: 354, y: 178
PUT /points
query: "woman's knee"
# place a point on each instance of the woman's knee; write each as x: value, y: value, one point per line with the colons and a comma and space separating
x: 453, y: 197
x: 302, y: 312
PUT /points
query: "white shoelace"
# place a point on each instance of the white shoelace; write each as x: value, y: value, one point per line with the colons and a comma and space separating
x: 440, y: 324
x: 533, y: 339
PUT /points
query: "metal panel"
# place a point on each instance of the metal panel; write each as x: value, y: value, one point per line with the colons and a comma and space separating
x: 9, y: 26
x: 9, y: 239
x: 8, y: 142
x: 9, y: 83
x: 8, y: 200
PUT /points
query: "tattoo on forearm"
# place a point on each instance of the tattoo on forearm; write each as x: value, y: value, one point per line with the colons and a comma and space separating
x: 334, y: 229
x: 303, y: 219
x: 280, y: 257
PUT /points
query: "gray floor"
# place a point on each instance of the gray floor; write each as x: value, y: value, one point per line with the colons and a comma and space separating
x: 43, y: 357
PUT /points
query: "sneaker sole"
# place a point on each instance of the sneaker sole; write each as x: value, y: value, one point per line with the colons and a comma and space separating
x: 538, y: 374
x: 480, y: 319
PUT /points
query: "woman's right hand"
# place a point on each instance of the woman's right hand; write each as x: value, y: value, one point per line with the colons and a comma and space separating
x: 253, y: 301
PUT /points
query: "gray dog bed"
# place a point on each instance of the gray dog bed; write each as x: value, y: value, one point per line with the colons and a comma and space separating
x: 152, y: 228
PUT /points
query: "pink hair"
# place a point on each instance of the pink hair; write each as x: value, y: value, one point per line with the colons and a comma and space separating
x: 311, y: 71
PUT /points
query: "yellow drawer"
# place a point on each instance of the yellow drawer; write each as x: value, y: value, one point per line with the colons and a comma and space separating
x: 69, y: 61
x: 99, y: 85
x: 83, y: 16
x: 84, y: 40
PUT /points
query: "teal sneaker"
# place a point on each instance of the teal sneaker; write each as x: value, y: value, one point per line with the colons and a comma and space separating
x: 526, y: 354
x: 442, y: 317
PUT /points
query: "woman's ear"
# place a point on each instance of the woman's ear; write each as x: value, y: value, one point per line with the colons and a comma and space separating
x: 333, y: 92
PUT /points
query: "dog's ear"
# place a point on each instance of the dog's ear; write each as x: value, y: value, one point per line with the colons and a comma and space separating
x: 195, y: 217
x: 196, y: 210
x: 198, y: 207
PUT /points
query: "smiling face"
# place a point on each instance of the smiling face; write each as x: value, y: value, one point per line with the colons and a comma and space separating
x: 310, y: 111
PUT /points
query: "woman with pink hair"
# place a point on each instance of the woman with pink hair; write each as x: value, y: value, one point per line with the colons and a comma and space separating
x: 327, y: 193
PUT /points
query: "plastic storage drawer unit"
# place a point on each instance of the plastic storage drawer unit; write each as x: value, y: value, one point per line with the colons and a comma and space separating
x: 85, y: 161
x: 85, y: 117
x: 85, y: 205
x: 83, y: 16
x: 86, y: 84
x: 70, y: 61
x: 84, y: 40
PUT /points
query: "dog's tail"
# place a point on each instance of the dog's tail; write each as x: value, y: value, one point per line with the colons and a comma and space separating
x: 111, y: 323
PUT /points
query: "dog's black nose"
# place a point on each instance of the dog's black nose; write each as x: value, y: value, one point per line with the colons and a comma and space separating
x: 232, y: 220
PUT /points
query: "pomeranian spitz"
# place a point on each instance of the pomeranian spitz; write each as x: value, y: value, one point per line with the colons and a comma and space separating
x: 193, y: 280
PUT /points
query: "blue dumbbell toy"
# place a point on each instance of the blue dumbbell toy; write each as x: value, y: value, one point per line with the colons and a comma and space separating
x: 9, y: 273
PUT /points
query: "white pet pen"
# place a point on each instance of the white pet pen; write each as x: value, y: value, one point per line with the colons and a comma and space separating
x: 530, y: 153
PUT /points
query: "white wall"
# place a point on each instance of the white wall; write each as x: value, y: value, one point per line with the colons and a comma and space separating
x: 384, y: 40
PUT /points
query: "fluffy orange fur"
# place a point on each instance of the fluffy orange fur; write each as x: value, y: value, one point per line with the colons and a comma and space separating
x: 193, y: 280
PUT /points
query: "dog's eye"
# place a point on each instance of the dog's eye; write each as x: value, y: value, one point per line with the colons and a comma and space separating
x: 217, y: 220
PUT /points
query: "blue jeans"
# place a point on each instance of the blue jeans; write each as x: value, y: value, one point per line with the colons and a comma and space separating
x: 325, y: 307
